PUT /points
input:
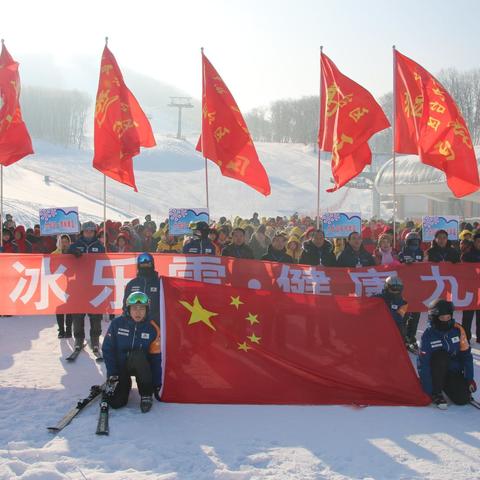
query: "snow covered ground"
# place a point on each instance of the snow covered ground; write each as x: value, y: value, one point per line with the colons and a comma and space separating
x: 197, y: 442
x: 171, y: 175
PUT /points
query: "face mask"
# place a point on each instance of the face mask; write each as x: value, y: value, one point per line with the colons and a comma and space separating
x: 443, y: 326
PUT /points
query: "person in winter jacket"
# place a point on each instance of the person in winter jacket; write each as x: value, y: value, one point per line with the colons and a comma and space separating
x: 445, y: 363
x: 294, y: 248
x: 132, y: 348
x: 442, y: 249
x: 200, y: 244
x: 64, y: 321
x: 259, y: 242
x: 87, y: 243
x: 338, y: 246
x: 384, y: 254
x: 276, y: 251
x: 238, y: 248
x: 122, y: 243
x: 354, y: 254
x: 411, y: 253
x: 472, y: 256
x: 8, y: 245
x: 23, y: 245
x: 148, y: 282
x: 169, y: 244
x: 317, y: 251
x: 392, y: 295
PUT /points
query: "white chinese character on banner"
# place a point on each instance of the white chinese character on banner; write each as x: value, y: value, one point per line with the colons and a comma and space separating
x: 308, y: 280
x: 36, y: 276
x: 201, y: 269
x: 370, y: 282
x: 118, y: 281
x: 440, y: 287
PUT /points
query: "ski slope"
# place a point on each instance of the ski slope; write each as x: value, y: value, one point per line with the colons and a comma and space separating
x: 172, y: 175
x: 203, y: 442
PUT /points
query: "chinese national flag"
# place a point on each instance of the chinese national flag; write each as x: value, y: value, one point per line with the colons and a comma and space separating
x: 15, y: 142
x: 349, y: 116
x: 225, y: 138
x: 429, y: 124
x: 121, y: 127
x: 237, y: 345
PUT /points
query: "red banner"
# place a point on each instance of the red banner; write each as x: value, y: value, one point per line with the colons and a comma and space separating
x: 45, y: 284
x: 239, y: 345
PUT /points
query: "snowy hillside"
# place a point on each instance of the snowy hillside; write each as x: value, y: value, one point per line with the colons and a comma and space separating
x: 172, y: 175
x: 205, y: 442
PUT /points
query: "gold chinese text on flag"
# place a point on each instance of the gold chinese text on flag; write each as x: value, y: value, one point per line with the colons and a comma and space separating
x: 121, y: 127
x: 225, y: 138
x: 15, y: 142
x: 429, y: 123
x: 349, y: 116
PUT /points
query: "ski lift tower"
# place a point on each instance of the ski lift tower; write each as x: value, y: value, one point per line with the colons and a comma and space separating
x: 180, y: 103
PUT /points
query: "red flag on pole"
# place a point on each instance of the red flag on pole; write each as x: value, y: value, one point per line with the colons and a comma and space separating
x: 15, y: 142
x: 225, y: 138
x: 238, y: 345
x: 349, y: 116
x: 121, y: 126
x: 429, y: 124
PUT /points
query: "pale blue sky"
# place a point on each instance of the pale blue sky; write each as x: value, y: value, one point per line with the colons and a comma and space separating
x: 264, y: 50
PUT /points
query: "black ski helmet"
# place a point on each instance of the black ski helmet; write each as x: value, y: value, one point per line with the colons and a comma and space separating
x: 439, y: 307
x: 145, y: 261
x: 394, y: 285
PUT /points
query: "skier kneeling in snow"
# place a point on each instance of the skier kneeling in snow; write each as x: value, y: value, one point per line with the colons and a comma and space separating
x: 132, y: 348
x: 445, y: 363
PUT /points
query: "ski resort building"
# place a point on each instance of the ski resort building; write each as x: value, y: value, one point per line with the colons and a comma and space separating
x: 422, y: 190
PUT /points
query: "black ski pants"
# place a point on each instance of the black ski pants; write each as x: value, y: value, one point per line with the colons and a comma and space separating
x: 453, y: 384
x: 137, y: 366
x: 64, y: 321
x: 411, y: 325
x: 467, y: 318
x: 79, y: 327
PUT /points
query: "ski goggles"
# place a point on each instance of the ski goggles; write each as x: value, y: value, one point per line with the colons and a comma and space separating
x: 138, y: 298
x: 144, y: 258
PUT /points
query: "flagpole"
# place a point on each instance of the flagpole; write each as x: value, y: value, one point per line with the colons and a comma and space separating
x: 201, y: 136
x: 105, y: 211
x: 1, y: 204
x: 105, y: 242
x: 394, y: 177
x: 206, y: 183
x: 1, y: 193
x: 319, y: 148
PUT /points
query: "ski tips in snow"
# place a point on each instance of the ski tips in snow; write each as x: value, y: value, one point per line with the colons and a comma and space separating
x: 95, y: 391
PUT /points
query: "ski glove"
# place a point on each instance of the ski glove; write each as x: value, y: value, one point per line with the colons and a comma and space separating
x: 112, y: 382
x: 77, y: 253
x: 156, y: 393
x: 472, y: 386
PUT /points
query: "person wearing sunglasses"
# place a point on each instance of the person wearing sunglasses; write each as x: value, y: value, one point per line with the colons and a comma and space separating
x: 148, y: 282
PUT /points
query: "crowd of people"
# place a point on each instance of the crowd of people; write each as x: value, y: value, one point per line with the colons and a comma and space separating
x: 292, y: 239
x: 445, y: 361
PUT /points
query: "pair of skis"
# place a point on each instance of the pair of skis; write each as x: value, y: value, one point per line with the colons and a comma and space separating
x: 96, y: 391
x: 76, y: 352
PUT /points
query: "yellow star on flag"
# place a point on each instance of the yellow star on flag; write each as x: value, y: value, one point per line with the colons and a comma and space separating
x: 252, y: 318
x: 236, y: 302
x: 254, y: 339
x: 199, y: 314
x: 243, y: 346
